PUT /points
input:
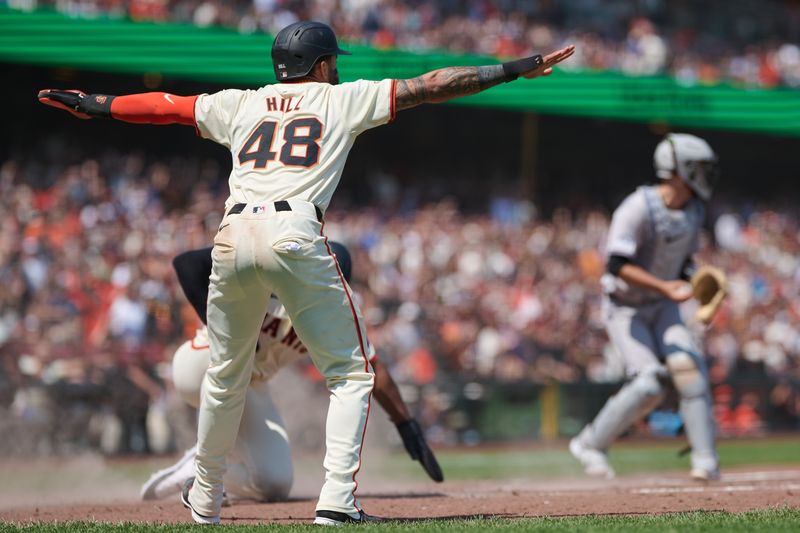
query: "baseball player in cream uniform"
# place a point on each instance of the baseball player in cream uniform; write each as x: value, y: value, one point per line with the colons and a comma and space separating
x: 288, y: 144
x: 652, y: 237
x: 260, y: 467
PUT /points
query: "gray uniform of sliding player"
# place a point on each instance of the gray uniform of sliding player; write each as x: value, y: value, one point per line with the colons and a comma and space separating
x: 653, y: 234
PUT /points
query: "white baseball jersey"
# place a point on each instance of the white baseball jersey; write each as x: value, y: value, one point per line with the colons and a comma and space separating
x: 291, y: 140
x: 653, y: 237
x: 278, y: 345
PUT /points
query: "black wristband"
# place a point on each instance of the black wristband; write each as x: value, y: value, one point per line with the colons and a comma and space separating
x: 513, y: 69
x: 615, y: 264
x: 96, y: 105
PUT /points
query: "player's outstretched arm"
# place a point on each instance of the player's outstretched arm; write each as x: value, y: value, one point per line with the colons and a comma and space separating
x: 144, y: 108
x: 388, y: 396
x: 447, y: 83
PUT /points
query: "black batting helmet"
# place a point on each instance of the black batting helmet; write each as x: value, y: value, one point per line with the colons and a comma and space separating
x: 343, y: 257
x: 298, y: 46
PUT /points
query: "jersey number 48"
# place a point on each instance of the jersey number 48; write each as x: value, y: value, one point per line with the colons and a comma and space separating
x: 300, y: 147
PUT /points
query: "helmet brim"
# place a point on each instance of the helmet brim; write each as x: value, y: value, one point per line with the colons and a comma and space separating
x: 340, y: 52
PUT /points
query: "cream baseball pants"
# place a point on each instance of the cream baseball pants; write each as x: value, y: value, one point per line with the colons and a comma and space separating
x: 259, y: 251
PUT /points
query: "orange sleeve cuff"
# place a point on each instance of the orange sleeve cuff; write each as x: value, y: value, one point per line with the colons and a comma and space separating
x: 393, y: 102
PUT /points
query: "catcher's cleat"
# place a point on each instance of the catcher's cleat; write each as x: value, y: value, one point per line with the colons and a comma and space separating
x: 335, y: 518
x: 595, y: 462
x: 701, y: 474
x: 197, y: 517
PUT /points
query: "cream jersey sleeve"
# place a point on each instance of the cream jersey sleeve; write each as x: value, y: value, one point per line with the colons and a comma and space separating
x: 365, y: 104
x: 215, y: 114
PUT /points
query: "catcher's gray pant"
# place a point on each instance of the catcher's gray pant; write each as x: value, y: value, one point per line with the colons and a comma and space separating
x: 258, y: 252
x: 656, y: 346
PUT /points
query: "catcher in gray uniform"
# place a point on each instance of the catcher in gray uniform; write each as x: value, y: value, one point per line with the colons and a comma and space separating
x: 652, y: 237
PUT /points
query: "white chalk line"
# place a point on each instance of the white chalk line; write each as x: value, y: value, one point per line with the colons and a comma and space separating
x: 670, y: 484
x: 725, y: 488
x: 761, y: 476
x: 734, y: 477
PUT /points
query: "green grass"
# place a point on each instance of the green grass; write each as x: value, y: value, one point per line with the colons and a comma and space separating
x: 550, y: 463
x: 767, y: 521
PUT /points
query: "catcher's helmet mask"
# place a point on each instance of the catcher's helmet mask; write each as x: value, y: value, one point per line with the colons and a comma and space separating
x: 692, y: 159
x: 299, y: 46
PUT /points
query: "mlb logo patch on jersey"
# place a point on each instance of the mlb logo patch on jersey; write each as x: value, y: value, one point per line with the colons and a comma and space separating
x: 259, y: 209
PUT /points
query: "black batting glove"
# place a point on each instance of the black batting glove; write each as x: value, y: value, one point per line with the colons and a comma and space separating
x: 418, y: 449
x: 77, y: 102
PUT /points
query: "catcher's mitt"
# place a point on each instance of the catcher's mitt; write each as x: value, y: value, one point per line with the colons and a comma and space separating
x: 709, y: 287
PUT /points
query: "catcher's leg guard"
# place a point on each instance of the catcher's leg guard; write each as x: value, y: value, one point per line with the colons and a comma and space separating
x: 689, y: 377
x: 621, y: 411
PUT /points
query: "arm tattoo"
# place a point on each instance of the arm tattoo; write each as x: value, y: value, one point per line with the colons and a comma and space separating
x: 447, y: 83
x: 410, y: 93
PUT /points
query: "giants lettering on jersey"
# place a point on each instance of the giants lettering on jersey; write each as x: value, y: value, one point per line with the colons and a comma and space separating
x: 271, y: 326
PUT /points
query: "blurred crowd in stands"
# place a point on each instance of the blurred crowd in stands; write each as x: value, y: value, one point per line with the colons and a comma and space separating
x: 91, y: 313
x: 697, y: 42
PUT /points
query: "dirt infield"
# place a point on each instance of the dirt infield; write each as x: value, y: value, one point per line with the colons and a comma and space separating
x: 738, y: 490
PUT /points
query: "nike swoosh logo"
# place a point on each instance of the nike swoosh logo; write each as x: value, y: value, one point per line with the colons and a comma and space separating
x: 224, y: 226
x: 168, y: 99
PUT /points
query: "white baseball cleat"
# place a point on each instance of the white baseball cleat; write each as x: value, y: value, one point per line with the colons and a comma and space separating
x: 169, y: 481
x: 702, y: 474
x: 595, y: 463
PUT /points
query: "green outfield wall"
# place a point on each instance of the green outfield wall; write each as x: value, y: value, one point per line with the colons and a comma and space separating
x: 491, y: 411
x: 226, y: 57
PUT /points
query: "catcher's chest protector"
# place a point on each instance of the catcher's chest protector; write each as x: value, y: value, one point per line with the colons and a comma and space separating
x: 673, y: 235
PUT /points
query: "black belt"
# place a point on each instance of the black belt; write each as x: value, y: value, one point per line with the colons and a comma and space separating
x: 280, y: 205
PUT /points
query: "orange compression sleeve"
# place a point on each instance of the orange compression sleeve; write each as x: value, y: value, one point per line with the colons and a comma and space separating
x: 154, y: 108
